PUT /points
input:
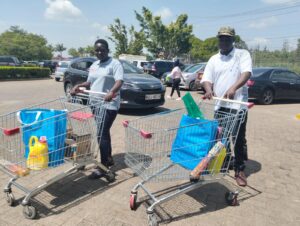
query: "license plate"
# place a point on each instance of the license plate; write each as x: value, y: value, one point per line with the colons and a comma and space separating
x: 152, y: 96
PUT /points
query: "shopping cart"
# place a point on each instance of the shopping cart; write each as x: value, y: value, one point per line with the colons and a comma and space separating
x: 155, y: 155
x: 71, y: 131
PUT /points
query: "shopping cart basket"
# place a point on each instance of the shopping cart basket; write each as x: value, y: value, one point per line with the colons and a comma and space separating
x: 157, y: 152
x: 71, y: 130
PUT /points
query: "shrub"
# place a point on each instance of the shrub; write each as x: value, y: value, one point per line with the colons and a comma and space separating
x: 9, y: 72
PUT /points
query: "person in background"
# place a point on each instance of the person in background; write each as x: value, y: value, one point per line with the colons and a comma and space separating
x: 176, y: 75
x: 105, y: 75
x: 226, y: 75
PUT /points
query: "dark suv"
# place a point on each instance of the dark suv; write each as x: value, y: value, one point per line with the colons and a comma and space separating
x: 139, y: 90
x: 51, y: 64
x: 158, y: 67
x: 9, y: 61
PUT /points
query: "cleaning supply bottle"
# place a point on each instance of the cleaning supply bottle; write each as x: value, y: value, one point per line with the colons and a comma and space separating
x: 38, y: 157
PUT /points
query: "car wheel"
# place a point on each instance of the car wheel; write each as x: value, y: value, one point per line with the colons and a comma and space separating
x: 68, y: 88
x: 57, y: 79
x: 192, y: 86
x: 267, y: 97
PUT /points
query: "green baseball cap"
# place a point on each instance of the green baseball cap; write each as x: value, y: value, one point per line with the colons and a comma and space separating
x: 226, y: 31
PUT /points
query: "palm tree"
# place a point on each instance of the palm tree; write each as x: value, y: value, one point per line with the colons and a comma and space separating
x: 60, y: 48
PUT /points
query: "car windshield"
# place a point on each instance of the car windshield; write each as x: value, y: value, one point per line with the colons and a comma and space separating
x: 193, y: 68
x: 256, y: 72
x: 130, y: 68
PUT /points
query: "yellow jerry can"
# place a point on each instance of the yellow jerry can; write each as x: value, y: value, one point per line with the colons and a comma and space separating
x: 38, y: 157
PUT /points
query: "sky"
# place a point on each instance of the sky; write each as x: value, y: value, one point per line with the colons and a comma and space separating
x: 78, y: 23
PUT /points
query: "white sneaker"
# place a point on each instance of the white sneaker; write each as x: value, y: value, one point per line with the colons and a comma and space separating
x: 169, y: 97
x: 179, y: 98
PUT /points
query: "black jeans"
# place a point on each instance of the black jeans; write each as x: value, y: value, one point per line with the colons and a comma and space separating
x: 175, y: 85
x: 103, y: 132
x: 240, y: 148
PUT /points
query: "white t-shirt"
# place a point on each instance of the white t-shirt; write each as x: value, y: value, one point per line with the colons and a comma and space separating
x: 102, y: 77
x: 176, y: 73
x: 223, y: 71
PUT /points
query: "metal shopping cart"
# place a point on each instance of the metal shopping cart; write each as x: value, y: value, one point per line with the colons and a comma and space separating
x: 157, y: 151
x: 71, y: 130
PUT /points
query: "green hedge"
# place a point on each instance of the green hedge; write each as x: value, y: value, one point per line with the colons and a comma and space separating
x: 9, y: 72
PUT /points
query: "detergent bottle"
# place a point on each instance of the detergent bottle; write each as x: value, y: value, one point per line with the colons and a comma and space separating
x: 38, y: 157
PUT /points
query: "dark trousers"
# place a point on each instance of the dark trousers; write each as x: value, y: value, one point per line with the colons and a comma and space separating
x: 239, y: 136
x: 103, y: 132
x: 175, y: 85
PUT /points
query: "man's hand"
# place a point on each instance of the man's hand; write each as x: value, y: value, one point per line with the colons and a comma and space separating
x: 109, y: 96
x: 76, y: 89
x: 230, y: 93
x: 209, y: 95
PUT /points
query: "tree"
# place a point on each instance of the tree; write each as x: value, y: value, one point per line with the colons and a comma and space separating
x: 60, y: 48
x: 239, y: 43
x: 26, y: 46
x: 119, y: 37
x: 73, y: 52
x: 172, y: 40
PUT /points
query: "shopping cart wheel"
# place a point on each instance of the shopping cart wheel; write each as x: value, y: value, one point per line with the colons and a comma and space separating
x: 152, y: 221
x: 110, y: 177
x: 10, y: 199
x: 132, y: 201
x: 29, y: 212
x: 231, y: 198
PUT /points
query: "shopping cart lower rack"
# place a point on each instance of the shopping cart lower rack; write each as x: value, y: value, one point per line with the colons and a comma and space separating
x: 170, y: 146
x: 69, y: 132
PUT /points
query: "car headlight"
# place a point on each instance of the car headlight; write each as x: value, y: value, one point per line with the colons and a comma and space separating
x: 132, y: 86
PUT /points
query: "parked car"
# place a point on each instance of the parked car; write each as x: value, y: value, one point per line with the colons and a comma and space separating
x: 269, y: 84
x: 51, y: 64
x: 190, y: 76
x: 139, y: 63
x: 158, y: 67
x: 62, y: 66
x: 139, y: 90
x: 9, y: 61
x: 31, y: 63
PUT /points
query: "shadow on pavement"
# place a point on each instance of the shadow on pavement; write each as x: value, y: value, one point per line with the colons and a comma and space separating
x: 252, y: 167
x: 76, y: 189
x: 207, y: 198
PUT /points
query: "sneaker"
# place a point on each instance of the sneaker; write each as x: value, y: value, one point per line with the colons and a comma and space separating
x: 241, y: 178
x: 96, y: 174
x: 179, y: 98
x: 169, y: 97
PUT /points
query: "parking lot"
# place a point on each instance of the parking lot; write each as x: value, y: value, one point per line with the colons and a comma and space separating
x: 272, y: 197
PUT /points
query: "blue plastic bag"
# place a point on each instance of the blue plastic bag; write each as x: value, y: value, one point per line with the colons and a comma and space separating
x: 194, y: 139
x: 45, y: 122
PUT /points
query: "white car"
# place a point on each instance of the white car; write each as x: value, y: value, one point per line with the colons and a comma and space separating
x: 139, y: 63
x: 60, y: 70
x: 190, y: 75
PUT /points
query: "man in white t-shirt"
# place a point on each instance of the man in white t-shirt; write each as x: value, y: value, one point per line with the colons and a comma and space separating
x: 226, y: 75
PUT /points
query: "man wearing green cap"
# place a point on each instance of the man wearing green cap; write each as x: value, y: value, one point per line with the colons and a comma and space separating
x: 226, y: 75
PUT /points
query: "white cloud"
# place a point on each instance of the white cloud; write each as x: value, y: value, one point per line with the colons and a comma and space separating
x: 263, y: 22
x: 258, y: 41
x: 62, y: 10
x: 164, y: 13
x: 98, y: 26
x: 277, y: 2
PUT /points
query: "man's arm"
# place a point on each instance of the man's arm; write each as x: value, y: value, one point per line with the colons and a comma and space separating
x: 208, y: 90
x: 76, y: 89
x: 241, y: 82
x: 112, y: 93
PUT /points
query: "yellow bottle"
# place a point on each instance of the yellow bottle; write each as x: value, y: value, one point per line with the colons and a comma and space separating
x: 217, y: 162
x: 38, y: 153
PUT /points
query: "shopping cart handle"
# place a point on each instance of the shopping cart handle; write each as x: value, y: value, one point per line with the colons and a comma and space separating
x: 248, y: 104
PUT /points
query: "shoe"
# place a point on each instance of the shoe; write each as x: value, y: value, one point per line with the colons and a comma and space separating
x: 96, y: 174
x: 169, y: 97
x: 179, y: 98
x: 110, y: 162
x: 241, y: 178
